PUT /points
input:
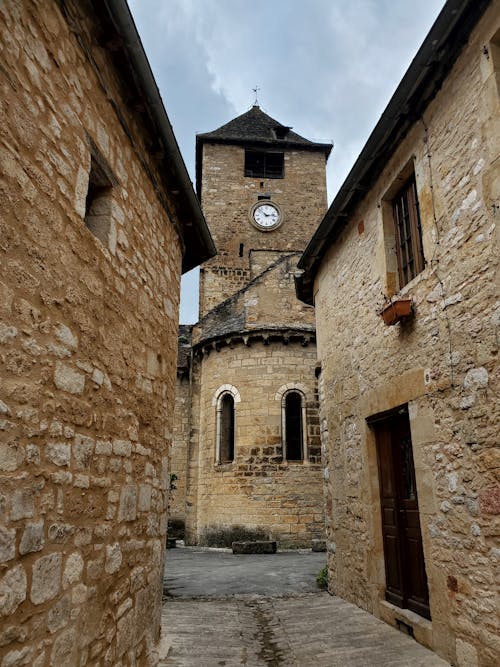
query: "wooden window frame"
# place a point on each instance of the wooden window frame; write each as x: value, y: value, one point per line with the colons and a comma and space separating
x: 408, y: 232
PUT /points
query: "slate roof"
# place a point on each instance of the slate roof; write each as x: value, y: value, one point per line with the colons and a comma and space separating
x: 256, y: 129
x: 256, y: 126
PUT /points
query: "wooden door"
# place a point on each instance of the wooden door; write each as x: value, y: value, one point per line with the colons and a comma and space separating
x: 406, y: 580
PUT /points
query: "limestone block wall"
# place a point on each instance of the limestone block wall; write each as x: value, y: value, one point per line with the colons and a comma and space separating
x: 227, y: 196
x: 179, y: 452
x: 87, y: 361
x: 443, y: 363
x: 258, y: 491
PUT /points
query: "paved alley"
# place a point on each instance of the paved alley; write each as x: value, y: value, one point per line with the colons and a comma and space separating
x: 230, y: 623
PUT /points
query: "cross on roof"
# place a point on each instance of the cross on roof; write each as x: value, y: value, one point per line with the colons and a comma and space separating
x: 256, y: 101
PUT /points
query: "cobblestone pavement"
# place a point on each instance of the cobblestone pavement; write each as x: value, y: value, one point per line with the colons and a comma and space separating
x: 279, y: 630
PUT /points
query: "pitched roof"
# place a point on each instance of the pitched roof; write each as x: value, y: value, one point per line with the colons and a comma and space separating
x: 255, y: 128
x: 418, y: 87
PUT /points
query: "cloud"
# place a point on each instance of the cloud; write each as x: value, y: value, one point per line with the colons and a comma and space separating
x: 325, y: 67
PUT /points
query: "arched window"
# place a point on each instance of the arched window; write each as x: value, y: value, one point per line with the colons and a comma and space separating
x: 224, y: 401
x: 226, y: 429
x: 293, y: 426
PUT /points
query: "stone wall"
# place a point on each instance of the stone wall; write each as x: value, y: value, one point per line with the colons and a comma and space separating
x: 258, y: 491
x: 179, y: 454
x: 227, y: 196
x: 442, y: 362
x: 87, y: 357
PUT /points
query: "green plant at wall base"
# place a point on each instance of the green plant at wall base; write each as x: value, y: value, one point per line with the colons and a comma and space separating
x: 322, y: 578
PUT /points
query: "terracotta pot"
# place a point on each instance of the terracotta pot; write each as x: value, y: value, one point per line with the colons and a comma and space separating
x: 396, y: 311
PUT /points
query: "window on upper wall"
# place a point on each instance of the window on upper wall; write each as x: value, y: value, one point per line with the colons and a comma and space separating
x: 225, y: 428
x: 99, y: 198
x: 263, y: 164
x: 293, y: 426
x: 408, y: 233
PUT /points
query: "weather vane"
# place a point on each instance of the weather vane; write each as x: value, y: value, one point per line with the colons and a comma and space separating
x: 256, y: 101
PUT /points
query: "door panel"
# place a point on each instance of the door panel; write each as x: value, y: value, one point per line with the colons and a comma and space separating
x: 406, y: 580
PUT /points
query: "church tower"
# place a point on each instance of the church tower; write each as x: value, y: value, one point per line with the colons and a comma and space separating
x: 263, y: 189
x: 246, y: 445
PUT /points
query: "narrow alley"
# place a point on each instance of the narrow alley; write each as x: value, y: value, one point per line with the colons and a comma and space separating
x: 222, y: 610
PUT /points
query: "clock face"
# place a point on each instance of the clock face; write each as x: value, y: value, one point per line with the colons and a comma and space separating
x: 266, y: 216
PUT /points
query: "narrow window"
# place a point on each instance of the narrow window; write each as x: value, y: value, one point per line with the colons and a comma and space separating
x: 98, y: 202
x: 293, y: 423
x: 409, y: 249
x: 226, y: 429
x: 262, y: 164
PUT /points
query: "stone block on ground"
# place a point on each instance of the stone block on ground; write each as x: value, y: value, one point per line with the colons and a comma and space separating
x: 318, y: 545
x: 255, y: 547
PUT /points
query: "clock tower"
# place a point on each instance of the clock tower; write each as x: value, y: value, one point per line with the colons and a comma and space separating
x: 262, y: 188
x: 247, y: 451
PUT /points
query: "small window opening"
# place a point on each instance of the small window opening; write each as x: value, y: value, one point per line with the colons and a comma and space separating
x: 293, y: 427
x: 261, y: 164
x: 261, y: 184
x: 410, y: 254
x: 281, y: 131
x: 241, y: 249
x: 226, y: 429
x: 259, y: 197
x: 98, y: 202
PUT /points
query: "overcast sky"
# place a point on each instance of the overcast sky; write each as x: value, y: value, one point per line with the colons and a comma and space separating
x: 325, y: 67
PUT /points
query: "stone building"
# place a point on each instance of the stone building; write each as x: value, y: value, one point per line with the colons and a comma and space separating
x: 98, y: 217
x: 246, y: 440
x: 409, y: 403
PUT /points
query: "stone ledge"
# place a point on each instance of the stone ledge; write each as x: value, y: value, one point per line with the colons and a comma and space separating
x: 422, y: 628
x: 255, y: 547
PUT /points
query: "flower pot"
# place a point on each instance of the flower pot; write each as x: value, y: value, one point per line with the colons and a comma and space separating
x: 396, y: 311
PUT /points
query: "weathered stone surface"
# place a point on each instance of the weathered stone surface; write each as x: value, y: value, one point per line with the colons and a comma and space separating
x: 68, y: 379
x: 256, y: 547
x: 66, y: 336
x: 58, y: 616
x: 127, y: 510
x: 33, y: 538
x: 17, y: 658
x: 22, y: 504
x: 72, y: 569
x: 58, y: 453
x: 12, y: 590
x: 113, y: 558
x: 82, y: 452
x: 46, y: 578
x: 12, y: 456
x: 7, y: 544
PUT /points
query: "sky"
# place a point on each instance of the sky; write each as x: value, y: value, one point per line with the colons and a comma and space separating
x: 325, y: 67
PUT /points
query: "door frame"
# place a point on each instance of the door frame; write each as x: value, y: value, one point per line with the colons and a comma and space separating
x: 400, y: 599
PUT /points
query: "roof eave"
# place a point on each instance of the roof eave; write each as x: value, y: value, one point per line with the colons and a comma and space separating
x: 197, y: 242
x: 418, y: 87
